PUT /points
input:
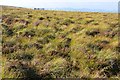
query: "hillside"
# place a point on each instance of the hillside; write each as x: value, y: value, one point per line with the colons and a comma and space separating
x: 58, y: 44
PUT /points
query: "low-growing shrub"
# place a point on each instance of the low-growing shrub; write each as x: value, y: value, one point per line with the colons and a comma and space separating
x: 110, y: 33
x: 67, y: 22
x: 95, y: 47
x: 111, y: 67
x: 18, y: 69
x: 89, y: 21
x: 117, y: 49
x: 9, y: 32
x: 8, y: 50
x: 41, y: 18
x: 38, y: 46
x: 37, y: 23
x: 5, y: 26
x: 24, y: 56
x: 30, y: 16
x: 9, y: 21
x: 92, y: 32
x: 24, y: 22
x: 43, y: 40
x: 64, y: 48
x: 29, y: 33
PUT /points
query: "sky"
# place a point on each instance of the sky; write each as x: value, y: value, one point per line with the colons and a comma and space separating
x: 109, y: 5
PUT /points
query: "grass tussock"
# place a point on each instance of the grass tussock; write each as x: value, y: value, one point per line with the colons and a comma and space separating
x: 58, y: 44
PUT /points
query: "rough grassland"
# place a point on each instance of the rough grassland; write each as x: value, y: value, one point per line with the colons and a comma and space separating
x: 58, y: 44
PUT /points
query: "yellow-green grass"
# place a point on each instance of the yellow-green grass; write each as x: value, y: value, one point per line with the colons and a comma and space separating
x: 59, y: 44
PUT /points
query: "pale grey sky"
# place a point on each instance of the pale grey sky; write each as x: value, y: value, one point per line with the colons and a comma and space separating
x: 89, y: 4
x: 14, y: 1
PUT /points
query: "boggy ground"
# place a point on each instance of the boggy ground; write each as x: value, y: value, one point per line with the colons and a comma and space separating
x: 58, y: 44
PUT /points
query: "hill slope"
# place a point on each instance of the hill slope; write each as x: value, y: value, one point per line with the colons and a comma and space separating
x: 58, y: 44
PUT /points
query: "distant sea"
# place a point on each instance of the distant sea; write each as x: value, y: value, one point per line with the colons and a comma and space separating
x: 107, y: 7
x: 82, y: 10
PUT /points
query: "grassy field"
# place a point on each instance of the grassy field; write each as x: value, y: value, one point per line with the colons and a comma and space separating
x: 59, y: 44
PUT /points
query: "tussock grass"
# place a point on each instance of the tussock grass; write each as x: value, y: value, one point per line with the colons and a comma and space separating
x: 58, y: 44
